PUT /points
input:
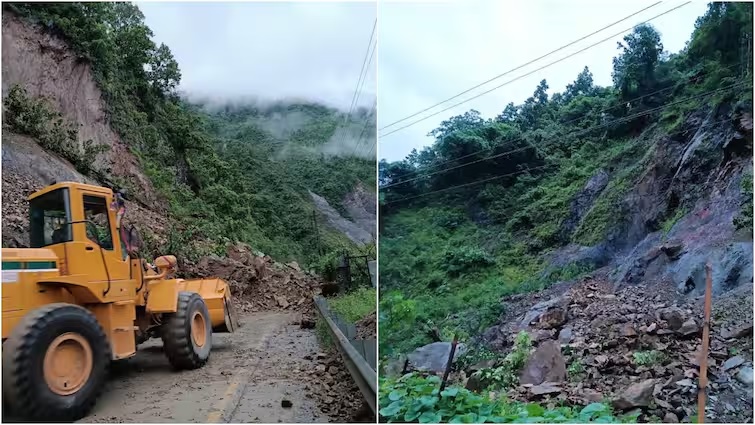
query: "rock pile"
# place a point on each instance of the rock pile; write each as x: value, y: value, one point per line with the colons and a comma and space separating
x: 367, y: 327
x: 258, y: 283
x: 637, y: 347
x: 337, y: 394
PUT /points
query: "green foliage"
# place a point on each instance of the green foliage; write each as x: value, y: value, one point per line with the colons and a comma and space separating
x: 669, y: 223
x: 506, y: 375
x: 649, y: 358
x: 416, y: 399
x: 355, y: 305
x: 223, y: 174
x: 744, y: 219
x: 35, y: 117
x: 351, y: 307
x: 461, y: 259
x: 575, y: 369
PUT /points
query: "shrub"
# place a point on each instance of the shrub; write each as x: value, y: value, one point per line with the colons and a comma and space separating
x: 463, y: 259
x: 416, y: 399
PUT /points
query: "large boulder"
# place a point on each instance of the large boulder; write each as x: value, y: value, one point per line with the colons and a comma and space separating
x: 433, y: 357
x: 546, y: 364
x: 546, y: 314
x: 636, y: 395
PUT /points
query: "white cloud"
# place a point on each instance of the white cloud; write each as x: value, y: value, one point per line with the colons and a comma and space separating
x: 271, y: 51
x: 432, y: 51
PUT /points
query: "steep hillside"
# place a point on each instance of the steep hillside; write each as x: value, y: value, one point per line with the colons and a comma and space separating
x: 640, y: 183
x: 89, y: 97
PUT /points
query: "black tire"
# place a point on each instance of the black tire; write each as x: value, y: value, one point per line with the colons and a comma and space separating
x: 178, y: 343
x: 25, y: 390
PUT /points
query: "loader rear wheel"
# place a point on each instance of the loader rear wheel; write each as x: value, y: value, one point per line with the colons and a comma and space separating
x: 187, y: 333
x: 55, y: 364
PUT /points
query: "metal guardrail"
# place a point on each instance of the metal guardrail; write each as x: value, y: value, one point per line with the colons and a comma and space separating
x: 364, y: 376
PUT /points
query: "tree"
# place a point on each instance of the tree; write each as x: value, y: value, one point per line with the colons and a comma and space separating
x: 163, y: 73
x: 583, y: 85
x: 634, y: 68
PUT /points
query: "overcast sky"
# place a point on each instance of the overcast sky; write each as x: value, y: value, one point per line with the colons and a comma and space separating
x: 431, y: 51
x: 272, y: 51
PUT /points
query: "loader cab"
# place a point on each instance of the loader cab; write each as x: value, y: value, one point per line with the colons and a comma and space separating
x: 75, y: 221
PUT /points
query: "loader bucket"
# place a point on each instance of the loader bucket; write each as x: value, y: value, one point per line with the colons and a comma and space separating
x: 217, y: 296
x: 231, y: 323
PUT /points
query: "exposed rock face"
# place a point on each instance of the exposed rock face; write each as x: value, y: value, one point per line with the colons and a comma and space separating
x: 583, y: 201
x: 45, y: 66
x: 353, y: 231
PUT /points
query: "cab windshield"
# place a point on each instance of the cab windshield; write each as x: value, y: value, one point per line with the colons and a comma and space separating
x: 50, y: 219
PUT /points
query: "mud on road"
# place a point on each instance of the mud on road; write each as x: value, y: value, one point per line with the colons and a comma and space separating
x: 248, y: 376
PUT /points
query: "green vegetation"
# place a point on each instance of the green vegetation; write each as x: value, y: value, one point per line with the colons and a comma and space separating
x: 226, y: 173
x: 416, y: 399
x: 351, y: 307
x: 36, y: 118
x: 575, y: 369
x: 744, y: 219
x: 649, y: 358
x: 506, y: 375
x: 355, y: 305
x: 448, y: 258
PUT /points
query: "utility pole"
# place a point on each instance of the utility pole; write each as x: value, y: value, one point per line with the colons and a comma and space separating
x: 317, y: 232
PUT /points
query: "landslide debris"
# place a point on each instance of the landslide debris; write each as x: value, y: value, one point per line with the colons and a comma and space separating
x: 633, y: 347
x: 259, y: 283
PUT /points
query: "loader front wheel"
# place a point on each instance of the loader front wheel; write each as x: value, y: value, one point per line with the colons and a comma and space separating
x: 187, y: 333
x: 55, y: 364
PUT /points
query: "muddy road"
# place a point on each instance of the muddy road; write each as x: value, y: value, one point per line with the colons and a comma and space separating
x: 248, y: 376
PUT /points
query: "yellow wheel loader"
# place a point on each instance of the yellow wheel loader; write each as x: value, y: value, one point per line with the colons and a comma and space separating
x: 77, y: 300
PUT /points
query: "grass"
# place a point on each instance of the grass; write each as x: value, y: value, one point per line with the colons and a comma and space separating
x: 649, y: 358
x: 351, y: 307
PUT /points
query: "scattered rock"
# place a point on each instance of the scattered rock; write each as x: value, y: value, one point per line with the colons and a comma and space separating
x: 286, y: 403
x: 628, y: 330
x: 307, y: 323
x: 545, y: 364
x: 690, y: 327
x: 565, y: 335
x: 674, y: 316
x: 592, y: 396
x: 281, y: 300
x: 552, y: 318
x: 537, y: 310
x: 737, y: 332
x: 636, y: 395
x: 545, y: 388
x: 745, y: 375
x: 670, y: 418
x: 732, y: 363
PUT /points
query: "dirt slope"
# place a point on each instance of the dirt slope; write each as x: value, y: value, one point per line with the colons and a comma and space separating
x: 45, y: 66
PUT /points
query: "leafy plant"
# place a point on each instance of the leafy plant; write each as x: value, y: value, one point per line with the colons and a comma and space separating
x: 416, y: 399
x: 506, y: 375
x: 647, y: 358
x: 575, y: 369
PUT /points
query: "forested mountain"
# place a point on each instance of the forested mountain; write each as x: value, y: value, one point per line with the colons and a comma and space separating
x: 212, y: 171
x: 469, y: 218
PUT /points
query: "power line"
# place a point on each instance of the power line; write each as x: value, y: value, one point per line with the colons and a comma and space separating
x: 515, y: 173
x: 602, y: 111
x: 364, y: 129
x: 582, y: 132
x: 364, y: 62
x: 522, y: 66
x: 533, y: 71
x: 360, y: 81
x: 578, y: 133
